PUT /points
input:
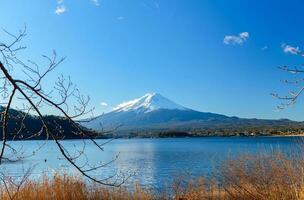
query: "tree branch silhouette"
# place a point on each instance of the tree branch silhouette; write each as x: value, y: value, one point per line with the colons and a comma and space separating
x: 292, y: 95
x: 29, y: 89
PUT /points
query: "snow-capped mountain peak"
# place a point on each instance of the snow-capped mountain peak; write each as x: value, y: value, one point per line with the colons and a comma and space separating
x: 147, y: 103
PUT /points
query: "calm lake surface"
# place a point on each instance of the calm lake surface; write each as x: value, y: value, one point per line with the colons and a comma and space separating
x: 155, y: 163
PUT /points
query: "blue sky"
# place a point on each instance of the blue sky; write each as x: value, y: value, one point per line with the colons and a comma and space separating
x: 121, y: 49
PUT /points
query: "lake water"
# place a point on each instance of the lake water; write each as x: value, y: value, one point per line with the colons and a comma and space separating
x: 154, y: 163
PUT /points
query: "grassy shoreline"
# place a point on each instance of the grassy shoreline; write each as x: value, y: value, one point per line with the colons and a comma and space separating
x: 266, y: 176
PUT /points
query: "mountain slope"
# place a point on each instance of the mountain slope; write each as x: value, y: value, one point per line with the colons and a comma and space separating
x: 150, y: 109
x: 148, y: 103
x: 21, y: 128
x: 153, y: 111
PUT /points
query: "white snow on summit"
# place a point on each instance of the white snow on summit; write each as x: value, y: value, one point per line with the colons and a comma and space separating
x: 147, y: 103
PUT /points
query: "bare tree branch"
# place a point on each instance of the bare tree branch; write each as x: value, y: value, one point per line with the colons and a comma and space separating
x: 29, y: 89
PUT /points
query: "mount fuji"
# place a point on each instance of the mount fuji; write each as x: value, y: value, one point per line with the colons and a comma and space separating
x: 154, y: 111
x: 148, y: 103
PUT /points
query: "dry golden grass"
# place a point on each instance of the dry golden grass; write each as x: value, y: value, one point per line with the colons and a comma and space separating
x: 63, y: 187
x: 266, y: 176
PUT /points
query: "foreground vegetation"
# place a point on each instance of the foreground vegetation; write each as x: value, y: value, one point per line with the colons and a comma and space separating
x: 266, y: 176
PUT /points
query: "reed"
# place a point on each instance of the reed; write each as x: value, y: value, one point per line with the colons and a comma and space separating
x: 270, y: 176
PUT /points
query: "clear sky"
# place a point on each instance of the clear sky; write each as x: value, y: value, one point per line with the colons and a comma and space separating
x: 215, y: 56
